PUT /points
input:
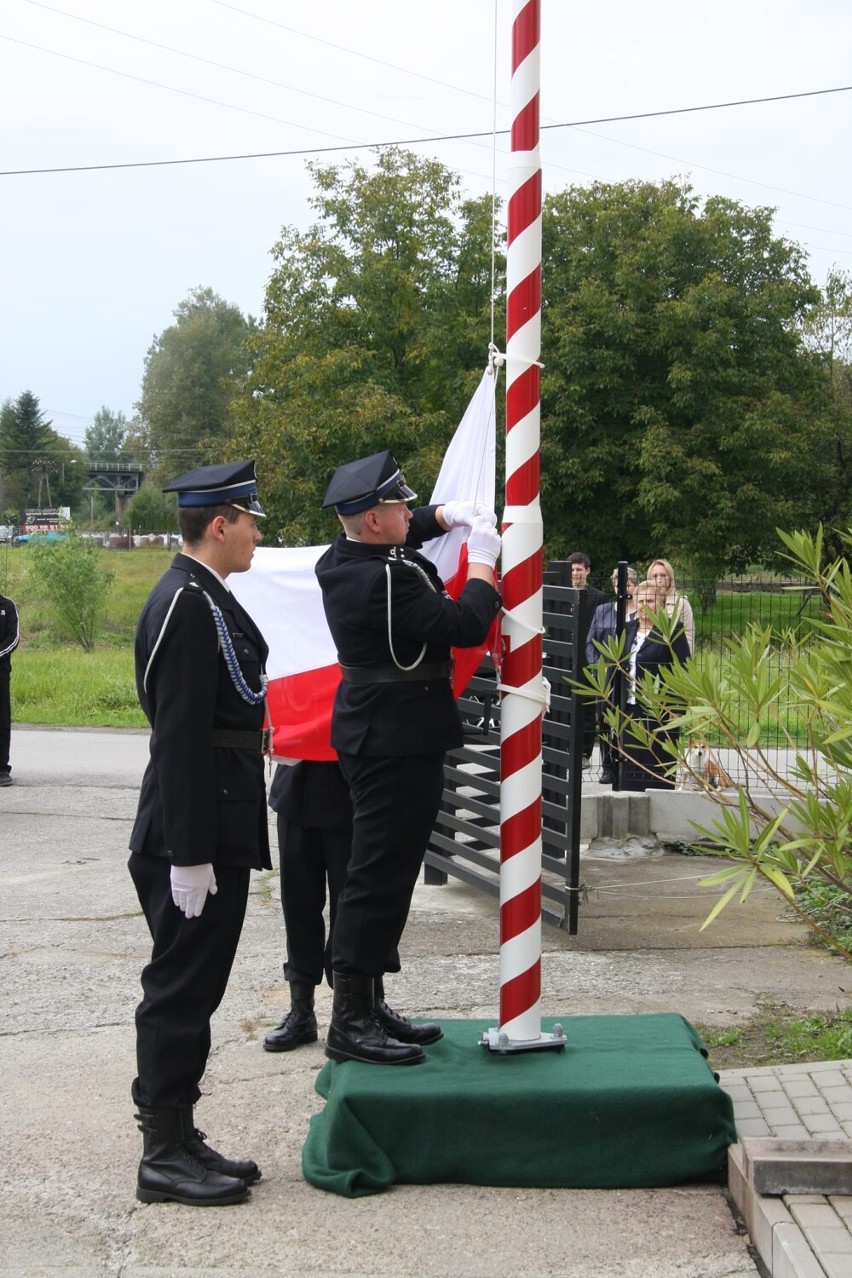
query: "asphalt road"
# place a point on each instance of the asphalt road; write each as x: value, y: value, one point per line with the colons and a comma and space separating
x: 73, y: 942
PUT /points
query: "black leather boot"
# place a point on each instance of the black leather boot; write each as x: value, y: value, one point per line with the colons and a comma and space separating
x: 299, y: 1025
x: 170, y: 1172
x: 356, y: 1033
x: 195, y: 1141
x: 399, y: 1026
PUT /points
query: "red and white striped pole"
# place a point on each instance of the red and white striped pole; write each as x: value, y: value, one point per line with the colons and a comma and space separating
x: 522, y: 706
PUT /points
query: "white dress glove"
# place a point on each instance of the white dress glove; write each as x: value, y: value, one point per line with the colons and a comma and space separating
x: 463, y: 513
x: 483, y: 544
x: 190, y: 885
x: 459, y: 513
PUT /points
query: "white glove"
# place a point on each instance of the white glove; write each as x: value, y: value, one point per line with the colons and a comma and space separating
x: 456, y: 513
x: 483, y: 544
x: 190, y: 885
x: 463, y: 513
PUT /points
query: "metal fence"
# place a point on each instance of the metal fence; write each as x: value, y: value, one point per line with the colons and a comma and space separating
x: 466, y: 841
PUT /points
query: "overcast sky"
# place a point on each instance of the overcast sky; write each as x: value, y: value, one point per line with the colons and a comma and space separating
x: 94, y: 263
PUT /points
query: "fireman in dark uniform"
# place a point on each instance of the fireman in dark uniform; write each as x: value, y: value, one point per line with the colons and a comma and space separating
x: 201, y: 824
x: 9, y: 636
x: 394, y: 719
x: 314, y: 819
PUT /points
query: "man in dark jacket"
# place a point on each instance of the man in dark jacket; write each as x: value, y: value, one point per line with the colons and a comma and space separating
x: 9, y: 636
x: 201, y: 824
x: 394, y: 719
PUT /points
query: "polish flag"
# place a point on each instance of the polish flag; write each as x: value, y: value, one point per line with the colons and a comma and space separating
x: 281, y: 593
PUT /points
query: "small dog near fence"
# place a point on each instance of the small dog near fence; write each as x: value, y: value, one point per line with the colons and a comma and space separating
x: 702, y: 770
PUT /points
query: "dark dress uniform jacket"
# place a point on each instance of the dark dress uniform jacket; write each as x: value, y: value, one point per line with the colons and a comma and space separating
x: 199, y: 802
x: 416, y: 717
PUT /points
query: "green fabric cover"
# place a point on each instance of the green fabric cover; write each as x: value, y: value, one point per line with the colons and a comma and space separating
x: 629, y: 1102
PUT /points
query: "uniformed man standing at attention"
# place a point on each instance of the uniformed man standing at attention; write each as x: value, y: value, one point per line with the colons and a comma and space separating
x: 201, y: 824
x: 9, y: 637
x: 394, y: 718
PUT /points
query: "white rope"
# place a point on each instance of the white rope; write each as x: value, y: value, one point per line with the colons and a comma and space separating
x: 539, y: 696
x: 491, y: 345
x: 517, y: 620
x: 499, y: 358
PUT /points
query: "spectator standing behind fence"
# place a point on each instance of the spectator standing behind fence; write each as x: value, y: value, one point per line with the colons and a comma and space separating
x: 9, y: 636
x: 601, y: 629
x: 592, y: 598
x: 677, y: 605
x: 647, y: 766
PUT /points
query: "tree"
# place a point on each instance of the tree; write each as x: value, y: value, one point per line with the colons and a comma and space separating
x: 191, y: 371
x: 150, y: 510
x: 827, y: 331
x: 26, y: 445
x: 105, y: 438
x: 375, y: 335
x: 675, y: 380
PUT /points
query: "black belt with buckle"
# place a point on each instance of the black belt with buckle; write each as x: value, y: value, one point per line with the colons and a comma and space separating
x: 259, y: 742
x: 393, y: 674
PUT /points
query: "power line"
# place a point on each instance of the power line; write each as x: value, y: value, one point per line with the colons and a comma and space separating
x: 374, y: 146
x: 209, y: 62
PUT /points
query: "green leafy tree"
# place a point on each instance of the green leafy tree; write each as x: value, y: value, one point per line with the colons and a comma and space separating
x: 827, y: 330
x: 376, y: 328
x: 105, y: 437
x: 26, y: 446
x: 675, y: 379
x: 76, y: 584
x: 191, y: 371
x: 790, y: 827
x: 151, y: 511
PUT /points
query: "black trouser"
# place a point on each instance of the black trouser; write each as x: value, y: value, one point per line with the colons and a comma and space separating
x: 396, y: 802
x: 309, y: 859
x: 184, y: 982
x: 5, y: 721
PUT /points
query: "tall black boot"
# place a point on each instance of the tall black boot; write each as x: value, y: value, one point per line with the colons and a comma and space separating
x: 170, y: 1172
x: 299, y: 1025
x: 399, y: 1026
x: 356, y: 1033
x: 195, y: 1141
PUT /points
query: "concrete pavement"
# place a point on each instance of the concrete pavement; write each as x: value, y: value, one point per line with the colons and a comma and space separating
x: 74, y: 942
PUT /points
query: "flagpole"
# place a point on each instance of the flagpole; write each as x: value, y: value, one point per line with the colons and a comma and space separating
x: 521, y: 680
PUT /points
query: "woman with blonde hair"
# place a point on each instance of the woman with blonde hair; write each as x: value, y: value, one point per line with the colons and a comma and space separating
x: 678, y: 607
x: 647, y: 764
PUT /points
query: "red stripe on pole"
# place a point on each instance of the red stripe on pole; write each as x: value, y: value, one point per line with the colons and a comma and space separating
x: 521, y: 912
x: 522, y: 748
x: 527, y: 575
x: 525, y: 127
x: 522, y: 482
x: 519, y: 994
x: 526, y: 33
x: 521, y: 831
x: 523, y: 395
x: 524, y: 301
x: 524, y: 206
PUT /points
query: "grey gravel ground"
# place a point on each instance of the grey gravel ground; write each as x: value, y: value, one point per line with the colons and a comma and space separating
x: 73, y: 942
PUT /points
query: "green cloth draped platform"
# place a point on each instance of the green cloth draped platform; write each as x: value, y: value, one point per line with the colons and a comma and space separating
x: 630, y: 1102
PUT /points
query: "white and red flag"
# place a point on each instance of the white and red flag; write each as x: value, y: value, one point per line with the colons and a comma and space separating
x: 282, y: 594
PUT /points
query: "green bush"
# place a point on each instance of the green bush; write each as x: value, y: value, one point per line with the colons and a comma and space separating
x: 75, y: 583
